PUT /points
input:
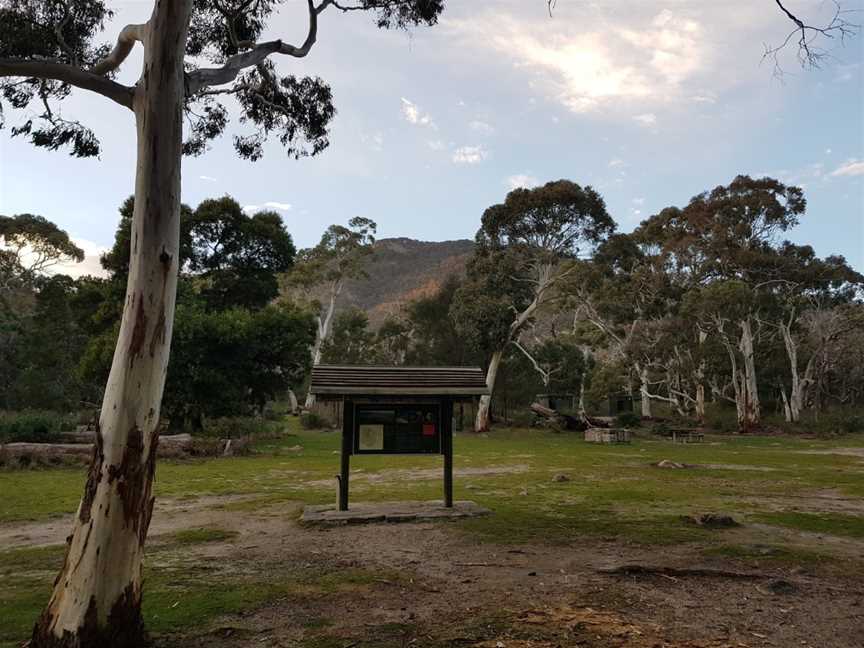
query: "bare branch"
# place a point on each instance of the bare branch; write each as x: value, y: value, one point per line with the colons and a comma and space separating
x: 204, y: 77
x: 809, y: 54
x: 70, y: 74
x: 129, y: 35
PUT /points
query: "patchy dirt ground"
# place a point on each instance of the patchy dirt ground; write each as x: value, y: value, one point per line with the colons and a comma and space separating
x: 449, y: 590
x: 608, y: 560
x: 439, y: 587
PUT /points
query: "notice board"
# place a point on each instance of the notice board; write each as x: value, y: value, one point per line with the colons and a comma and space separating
x: 404, y: 428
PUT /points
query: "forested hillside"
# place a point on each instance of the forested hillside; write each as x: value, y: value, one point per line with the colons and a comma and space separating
x: 402, y: 270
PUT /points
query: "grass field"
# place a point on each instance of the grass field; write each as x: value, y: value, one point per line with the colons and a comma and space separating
x: 800, y: 500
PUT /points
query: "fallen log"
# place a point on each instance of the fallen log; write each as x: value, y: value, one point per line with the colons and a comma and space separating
x: 171, y: 445
x: 557, y: 419
x: 22, y: 449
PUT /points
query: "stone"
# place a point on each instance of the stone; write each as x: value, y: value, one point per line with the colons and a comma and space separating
x: 666, y: 463
x: 781, y: 586
x: 560, y: 477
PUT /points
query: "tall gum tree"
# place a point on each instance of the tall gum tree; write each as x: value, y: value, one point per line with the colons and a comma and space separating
x: 525, y: 247
x: 808, y: 300
x: 322, y: 271
x: 723, y: 245
x: 195, y: 53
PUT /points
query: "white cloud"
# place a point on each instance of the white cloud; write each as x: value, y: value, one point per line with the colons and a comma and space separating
x: 828, y: 151
x: 616, y: 162
x: 469, y: 155
x: 375, y: 141
x: 647, y: 119
x: 588, y: 65
x: 481, y: 127
x: 270, y: 204
x: 704, y: 98
x: 207, y: 178
x: 89, y: 266
x: 436, y: 145
x: 638, y: 201
x: 850, y: 168
x: 522, y: 180
x: 413, y: 115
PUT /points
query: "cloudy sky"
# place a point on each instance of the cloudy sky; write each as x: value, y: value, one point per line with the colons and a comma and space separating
x: 650, y: 102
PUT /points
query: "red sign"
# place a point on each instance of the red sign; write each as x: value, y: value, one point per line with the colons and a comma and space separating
x: 428, y: 429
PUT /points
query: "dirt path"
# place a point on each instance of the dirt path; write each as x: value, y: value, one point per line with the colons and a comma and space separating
x: 451, y: 590
x: 550, y: 596
x: 169, y: 515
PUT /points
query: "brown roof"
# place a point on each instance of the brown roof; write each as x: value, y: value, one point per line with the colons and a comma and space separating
x: 338, y: 380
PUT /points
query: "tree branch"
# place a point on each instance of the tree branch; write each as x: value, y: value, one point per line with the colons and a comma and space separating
x: 808, y: 55
x: 129, y: 35
x: 70, y: 74
x: 204, y: 77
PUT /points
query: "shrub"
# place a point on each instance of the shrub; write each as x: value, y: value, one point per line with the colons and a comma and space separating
x: 721, y: 418
x: 312, y: 421
x: 32, y: 426
x: 231, y: 427
x: 628, y: 420
x: 661, y: 429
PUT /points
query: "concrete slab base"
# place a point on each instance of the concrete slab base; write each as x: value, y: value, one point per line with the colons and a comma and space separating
x: 367, y: 512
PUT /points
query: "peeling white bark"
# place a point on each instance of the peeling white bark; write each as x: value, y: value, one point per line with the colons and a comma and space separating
x: 752, y: 409
x: 101, y: 577
x: 323, y: 332
x: 481, y: 422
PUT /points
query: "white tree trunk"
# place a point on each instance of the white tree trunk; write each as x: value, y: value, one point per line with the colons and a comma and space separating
x: 97, y: 595
x: 700, y: 402
x: 322, y: 333
x: 787, y: 410
x: 481, y: 422
x: 700, y: 378
x: 644, y: 393
x: 752, y: 410
x: 795, y: 404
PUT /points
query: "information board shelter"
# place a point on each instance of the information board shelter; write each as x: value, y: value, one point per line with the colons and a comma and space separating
x: 397, y: 410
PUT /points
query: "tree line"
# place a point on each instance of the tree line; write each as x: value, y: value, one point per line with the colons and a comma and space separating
x: 702, y: 303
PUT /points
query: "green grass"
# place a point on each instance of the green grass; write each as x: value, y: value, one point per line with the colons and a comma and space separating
x: 614, y: 493
x: 835, y: 524
x: 195, y: 536
x: 181, y: 591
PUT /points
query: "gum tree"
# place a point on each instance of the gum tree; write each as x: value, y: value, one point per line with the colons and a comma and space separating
x: 196, y: 53
x: 726, y: 241
x: 522, y: 253
x: 341, y: 255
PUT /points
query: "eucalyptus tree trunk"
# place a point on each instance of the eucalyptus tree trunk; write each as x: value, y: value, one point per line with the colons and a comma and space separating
x: 700, y: 402
x: 322, y: 333
x: 96, y: 600
x: 644, y: 393
x: 797, y: 396
x: 481, y: 421
x: 750, y: 392
x: 700, y: 379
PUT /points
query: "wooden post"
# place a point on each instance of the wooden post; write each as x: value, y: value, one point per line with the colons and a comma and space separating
x: 347, y: 448
x: 447, y: 448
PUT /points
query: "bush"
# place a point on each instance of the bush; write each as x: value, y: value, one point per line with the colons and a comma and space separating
x: 32, y: 426
x: 231, y: 427
x: 838, y: 422
x: 628, y: 420
x: 721, y: 418
x: 313, y: 421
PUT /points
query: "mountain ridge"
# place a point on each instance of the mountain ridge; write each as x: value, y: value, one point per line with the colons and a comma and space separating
x: 403, y: 269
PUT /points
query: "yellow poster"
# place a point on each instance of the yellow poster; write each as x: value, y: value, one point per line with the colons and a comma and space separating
x: 371, y: 437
